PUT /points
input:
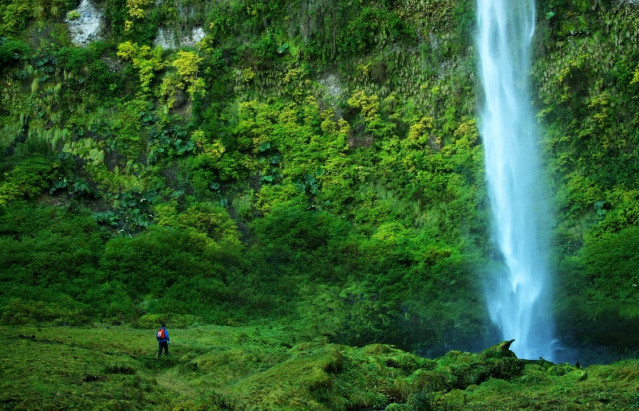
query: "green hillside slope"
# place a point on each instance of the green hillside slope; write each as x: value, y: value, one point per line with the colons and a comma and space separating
x: 309, y: 162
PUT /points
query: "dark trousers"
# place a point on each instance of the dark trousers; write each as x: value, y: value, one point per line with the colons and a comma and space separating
x: 164, y: 345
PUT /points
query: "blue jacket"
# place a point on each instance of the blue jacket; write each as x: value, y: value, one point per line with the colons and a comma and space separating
x: 166, y: 336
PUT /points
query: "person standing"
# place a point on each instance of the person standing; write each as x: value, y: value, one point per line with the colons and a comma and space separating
x: 163, y: 340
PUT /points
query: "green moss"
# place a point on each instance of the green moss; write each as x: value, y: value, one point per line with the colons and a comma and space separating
x: 250, y: 367
x: 73, y: 15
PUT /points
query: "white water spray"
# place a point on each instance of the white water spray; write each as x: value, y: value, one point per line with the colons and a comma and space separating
x: 518, y: 295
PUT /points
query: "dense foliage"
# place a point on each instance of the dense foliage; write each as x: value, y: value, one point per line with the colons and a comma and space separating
x: 307, y: 161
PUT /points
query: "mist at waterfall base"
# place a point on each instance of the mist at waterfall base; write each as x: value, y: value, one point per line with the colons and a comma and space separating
x: 518, y: 292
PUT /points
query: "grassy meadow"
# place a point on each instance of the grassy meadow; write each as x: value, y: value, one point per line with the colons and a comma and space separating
x: 265, y: 368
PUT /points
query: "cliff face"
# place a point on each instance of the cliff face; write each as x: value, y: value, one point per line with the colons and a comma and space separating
x: 585, y: 75
x: 315, y: 161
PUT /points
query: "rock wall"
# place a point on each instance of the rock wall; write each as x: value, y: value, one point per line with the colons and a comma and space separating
x: 85, y: 24
x: 168, y: 40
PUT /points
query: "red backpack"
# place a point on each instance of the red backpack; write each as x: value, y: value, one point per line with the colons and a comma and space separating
x: 161, y: 334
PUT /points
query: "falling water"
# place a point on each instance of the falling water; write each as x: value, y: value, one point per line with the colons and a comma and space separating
x: 518, y: 294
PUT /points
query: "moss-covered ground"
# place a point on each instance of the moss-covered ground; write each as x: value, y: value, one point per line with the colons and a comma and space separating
x: 261, y: 367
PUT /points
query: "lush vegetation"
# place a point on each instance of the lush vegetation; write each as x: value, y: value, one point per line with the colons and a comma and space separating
x: 314, y: 163
x: 218, y: 368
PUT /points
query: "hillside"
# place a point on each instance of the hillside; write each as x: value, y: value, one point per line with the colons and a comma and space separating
x: 314, y: 163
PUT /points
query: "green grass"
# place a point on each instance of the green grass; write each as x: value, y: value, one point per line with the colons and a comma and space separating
x: 260, y: 367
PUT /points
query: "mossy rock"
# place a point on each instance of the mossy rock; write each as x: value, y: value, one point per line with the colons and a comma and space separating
x: 441, y: 379
x: 236, y: 361
x: 470, y: 374
x: 457, y: 358
x: 534, y: 376
x: 467, y: 369
x: 454, y: 399
x: 376, y: 349
x: 501, y: 350
x: 332, y: 362
x: 505, y: 368
x: 409, y: 362
x: 304, y: 381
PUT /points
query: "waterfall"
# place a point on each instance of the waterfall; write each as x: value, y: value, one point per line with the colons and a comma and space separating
x: 518, y: 293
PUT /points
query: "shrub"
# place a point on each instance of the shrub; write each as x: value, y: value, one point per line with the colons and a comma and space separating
x: 298, y: 229
x: 14, y: 16
x: 18, y: 311
x: 612, y: 263
x: 153, y: 321
x: 146, y: 60
x: 153, y: 261
x: 27, y: 180
x: 360, y: 35
x: 73, y: 15
x: 12, y: 50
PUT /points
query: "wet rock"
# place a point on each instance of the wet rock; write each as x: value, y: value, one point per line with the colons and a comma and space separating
x: 167, y: 38
x: 85, y: 24
x: 332, y: 86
